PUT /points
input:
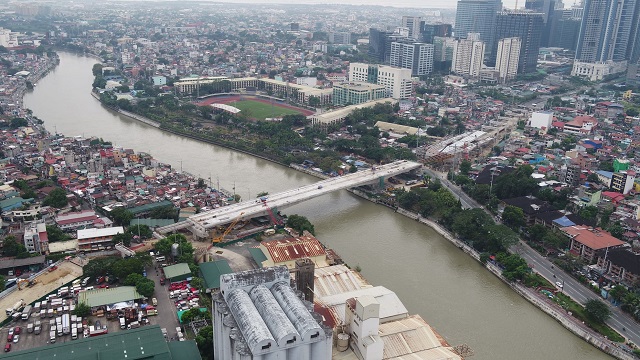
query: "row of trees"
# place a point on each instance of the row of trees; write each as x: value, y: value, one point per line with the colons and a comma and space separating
x: 122, y: 268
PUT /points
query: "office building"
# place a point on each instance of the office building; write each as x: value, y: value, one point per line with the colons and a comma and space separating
x: 442, y: 53
x: 294, y: 27
x: 468, y: 55
x: 528, y: 27
x: 340, y: 38
x: 547, y: 9
x: 429, y: 31
x: 8, y: 39
x: 609, y: 35
x: 412, y: 23
x: 377, y: 40
x: 508, y: 57
x: 357, y: 93
x: 565, y: 27
x: 633, y: 74
x: 257, y: 315
x: 396, y: 80
x: 415, y: 56
x: 478, y: 16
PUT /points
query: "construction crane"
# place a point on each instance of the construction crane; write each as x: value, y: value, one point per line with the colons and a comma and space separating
x: 272, y: 216
x: 218, y: 239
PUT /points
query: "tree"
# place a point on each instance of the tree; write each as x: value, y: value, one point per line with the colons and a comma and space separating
x: 165, y: 212
x: 262, y: 193
x: 465, y: 167
x: 164, y: 245
x: 300, y: 224
x: 141, y: 231
x: 133, y: 279
x: 121, y: 216
x: 11, y: 247
x: 204, y: 339
x: 633, y: 112
x: 513, y: 217
x: 57, y: 198
x: 55, y: 234
x: 82, y: 310
x: 146, y: 287
x: 121, y: 268
x: 97, y: 69
x: 124, y: 238
x: 597, y: 311
x: 194, y: 314
x: 616, y: 230
x: 18, y: 122
x: 588, y: 213
x: 98, y: 267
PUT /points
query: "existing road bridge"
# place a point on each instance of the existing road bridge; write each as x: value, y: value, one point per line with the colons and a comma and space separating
x: 201, y: 224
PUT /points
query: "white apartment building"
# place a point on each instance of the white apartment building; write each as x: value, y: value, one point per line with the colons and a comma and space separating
x: 8, y: 38
x: 396, y: 80
x: 507, y: 58
x: 36, y: 239
x: 467, y: 56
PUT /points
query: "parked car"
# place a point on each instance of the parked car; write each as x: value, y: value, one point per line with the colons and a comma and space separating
x: 7, y: 347
x: 10, y: 338
x: 17, y: 330
x: 16, y: 338
x: 559, y: 284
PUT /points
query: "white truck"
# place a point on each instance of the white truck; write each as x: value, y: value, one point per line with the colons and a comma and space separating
x: 59, y: 325
x: 52, y: 336
x: 66, y: 324
x: 74, y: 333
x: 37, y: 328
x: 26, y: 312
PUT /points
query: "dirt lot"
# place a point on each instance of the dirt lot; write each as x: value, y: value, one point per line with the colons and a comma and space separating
x: 46, y: 283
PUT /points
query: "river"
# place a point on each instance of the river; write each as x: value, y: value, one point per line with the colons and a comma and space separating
x: 451, y: 291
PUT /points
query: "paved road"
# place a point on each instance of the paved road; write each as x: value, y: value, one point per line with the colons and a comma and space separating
x: 578, y: 291
x: 166, y: 317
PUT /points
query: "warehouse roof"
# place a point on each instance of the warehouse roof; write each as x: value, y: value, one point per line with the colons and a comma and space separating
x: 257, y: 255
x: 98, y: 297
x: 146, y: 342
x: 148, y: 207
x: 95, y: 232
x: 11, y: 263
x: 152, y: 222
x: 211, y: 272
x: 177, y: 270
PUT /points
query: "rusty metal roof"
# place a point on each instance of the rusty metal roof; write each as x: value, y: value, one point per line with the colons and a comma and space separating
x: 294, y: 248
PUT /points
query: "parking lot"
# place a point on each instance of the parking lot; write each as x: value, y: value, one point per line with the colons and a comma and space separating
x: 166, y: 317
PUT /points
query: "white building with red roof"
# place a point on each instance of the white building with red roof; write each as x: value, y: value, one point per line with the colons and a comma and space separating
x: 583, y: 124
x: 588, y: 242
x: 76, y: 220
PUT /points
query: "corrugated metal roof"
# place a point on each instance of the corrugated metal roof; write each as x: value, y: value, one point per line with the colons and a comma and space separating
x: 146, y: 342
x: 176, y: 271
x: 98, y: 297
x: 293, y: 248
x: 211, y: 272
x: 390, y: 304
x: 412, y: 338
x: 337, y: 279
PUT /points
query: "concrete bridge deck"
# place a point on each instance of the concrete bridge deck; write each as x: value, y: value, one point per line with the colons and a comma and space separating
x: 201, y: 223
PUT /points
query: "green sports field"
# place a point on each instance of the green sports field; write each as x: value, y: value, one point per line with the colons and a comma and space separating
x: 259, y: 110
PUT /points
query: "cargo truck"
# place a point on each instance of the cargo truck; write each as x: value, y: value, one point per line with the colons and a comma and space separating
x: 26, y: 312
x: 52, y: 336
x: 66, y: 327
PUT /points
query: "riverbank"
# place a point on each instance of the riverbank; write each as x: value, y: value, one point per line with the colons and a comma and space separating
x: 556, y: 312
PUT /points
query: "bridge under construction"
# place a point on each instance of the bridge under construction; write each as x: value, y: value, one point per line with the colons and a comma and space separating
x: 201, y: 224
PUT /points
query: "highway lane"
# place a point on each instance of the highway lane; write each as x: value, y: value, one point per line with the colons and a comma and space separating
x: 619, y: 321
